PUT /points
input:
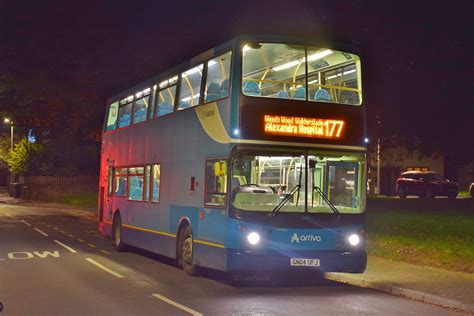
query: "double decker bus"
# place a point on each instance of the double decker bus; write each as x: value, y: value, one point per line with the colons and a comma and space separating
x: 250, y: 156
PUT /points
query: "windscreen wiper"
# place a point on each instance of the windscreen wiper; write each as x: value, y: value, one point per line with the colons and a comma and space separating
x: 289, y: 195
x: 325, y: 198
x: 286, y: 199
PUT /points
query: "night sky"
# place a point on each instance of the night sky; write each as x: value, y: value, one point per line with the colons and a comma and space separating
x: 417, y: 55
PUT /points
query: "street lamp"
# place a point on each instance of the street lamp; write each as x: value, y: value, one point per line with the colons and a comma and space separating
x: 6, y: 121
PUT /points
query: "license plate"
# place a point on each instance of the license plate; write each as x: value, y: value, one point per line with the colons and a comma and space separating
x: 302, y: 262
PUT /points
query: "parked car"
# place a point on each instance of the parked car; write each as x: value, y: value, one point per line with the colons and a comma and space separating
x: 471, y: 190
x: 426, y: 184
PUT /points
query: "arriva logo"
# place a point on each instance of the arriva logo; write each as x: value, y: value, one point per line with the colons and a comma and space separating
x: 297, y: 239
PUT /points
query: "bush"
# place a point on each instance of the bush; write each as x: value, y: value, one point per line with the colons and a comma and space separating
x: 28, y: 158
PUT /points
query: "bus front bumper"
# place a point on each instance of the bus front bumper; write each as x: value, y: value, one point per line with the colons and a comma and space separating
x: 326, y: 261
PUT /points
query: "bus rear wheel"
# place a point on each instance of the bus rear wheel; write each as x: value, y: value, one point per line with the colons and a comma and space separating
x: 117, y: 233
x: 187, y: 253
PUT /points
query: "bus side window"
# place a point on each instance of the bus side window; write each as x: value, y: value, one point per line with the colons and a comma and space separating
x: 125, y: 113
x: 112, y: 116
x: 155, y: 183
x: 189, y: 90
x: 140, y: 107
x: 120, y: 184
x: 135, y: 184
x: 110, y: 181
x: 165, y: 100
x: 217, y: 80
x: 216, y: 183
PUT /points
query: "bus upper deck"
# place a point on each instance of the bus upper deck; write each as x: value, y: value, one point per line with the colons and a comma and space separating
x: 240, y: 76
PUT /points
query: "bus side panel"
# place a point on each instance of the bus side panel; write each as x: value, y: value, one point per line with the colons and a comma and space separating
x: 210, y: 248
x: 154, y: 242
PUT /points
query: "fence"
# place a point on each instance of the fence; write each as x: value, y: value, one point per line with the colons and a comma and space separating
x: 61, y: 180
x: 51, y: 188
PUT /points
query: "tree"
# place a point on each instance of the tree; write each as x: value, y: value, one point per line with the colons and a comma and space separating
x: 28, y: 158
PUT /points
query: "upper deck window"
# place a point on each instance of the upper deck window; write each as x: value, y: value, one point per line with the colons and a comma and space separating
x: 279, y: 71
x: 189, y: 90
x: 166, y: 96
x: 217, y: 81
x: 140, y: 108
x: 274, y: 70
x: 112, y: 117
x: 125, y: 112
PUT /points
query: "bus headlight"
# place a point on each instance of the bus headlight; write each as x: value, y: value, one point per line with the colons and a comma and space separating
x: 354, y: 239
x: 253, y: 238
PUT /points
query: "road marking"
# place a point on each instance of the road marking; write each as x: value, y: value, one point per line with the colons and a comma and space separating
x: 62, y: 231
x: 41, y: 232
x: 13, y: 255
x: 65, y: 246
x: 55, y: 228
x: 22, y: 255
x: 69, y: 235
x: 49, y: 225
x: 91, y: 245
x: 175, y: 304
x: 7, y: 214
x: 26, y: 223
x: 80, y: 240
x: 45, y: 254
x: 106, y: 252
x: 104, y: 268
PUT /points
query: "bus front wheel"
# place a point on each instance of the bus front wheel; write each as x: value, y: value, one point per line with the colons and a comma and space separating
x: 187, y: 252
x: 117, y: 233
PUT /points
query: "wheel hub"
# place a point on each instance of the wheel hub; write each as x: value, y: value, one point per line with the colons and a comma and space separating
x: 188, y: 250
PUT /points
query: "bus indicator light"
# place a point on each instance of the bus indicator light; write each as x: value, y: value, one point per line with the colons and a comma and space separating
x: 303, y: 126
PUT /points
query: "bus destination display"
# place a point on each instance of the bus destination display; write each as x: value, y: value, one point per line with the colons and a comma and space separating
x: 303, y: 126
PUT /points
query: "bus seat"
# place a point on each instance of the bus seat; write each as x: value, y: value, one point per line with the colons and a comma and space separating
x: 213, y: 92
x: 282, y: 95
x: 140, y: 115
x: 300, y: 93
x: 136, y: 193
x: 224, y: 88
x: 124, y: 120
x: 184, y: 105
x: 322, y: 95
x: 120, y: 189
x: 164, y: 108
x: 251, y: 88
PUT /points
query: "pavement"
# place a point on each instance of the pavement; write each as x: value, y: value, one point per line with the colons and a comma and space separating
x: 454, y: 290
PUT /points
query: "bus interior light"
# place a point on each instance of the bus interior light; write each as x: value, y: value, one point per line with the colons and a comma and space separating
x: 320, y: 55
x: 354, y: 239
x: 253, y: 238
x: 287, y: 65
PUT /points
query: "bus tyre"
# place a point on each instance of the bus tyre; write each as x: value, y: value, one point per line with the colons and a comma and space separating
x: 187, y: 252
x: 117, y: 234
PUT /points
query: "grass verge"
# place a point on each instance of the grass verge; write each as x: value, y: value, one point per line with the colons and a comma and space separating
x: 436, y: 239
x: 85, y: 199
